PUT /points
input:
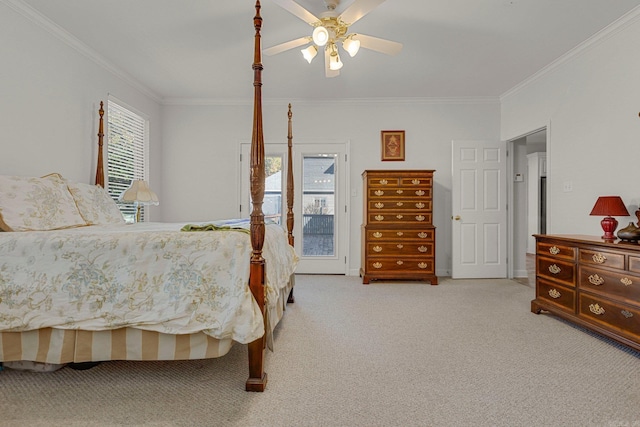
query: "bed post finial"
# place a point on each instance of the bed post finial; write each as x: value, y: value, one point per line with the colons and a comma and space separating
x: 257, y: 377
x: 100, y: 167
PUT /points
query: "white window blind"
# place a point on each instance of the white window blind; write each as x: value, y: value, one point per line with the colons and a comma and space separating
x: 126, y: 154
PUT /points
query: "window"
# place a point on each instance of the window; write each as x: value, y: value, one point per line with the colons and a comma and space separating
x: 127, y: 153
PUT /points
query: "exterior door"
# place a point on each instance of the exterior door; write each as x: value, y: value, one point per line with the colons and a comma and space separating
x: 479, y: 210
x: 320, y: 224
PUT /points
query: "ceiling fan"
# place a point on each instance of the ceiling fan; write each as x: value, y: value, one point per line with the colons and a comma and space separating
x: 331, y: 29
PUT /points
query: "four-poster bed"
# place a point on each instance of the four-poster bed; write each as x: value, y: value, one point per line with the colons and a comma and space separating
x: 209, y: 288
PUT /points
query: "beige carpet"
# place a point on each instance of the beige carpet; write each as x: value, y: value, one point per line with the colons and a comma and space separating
x: 464, y: 353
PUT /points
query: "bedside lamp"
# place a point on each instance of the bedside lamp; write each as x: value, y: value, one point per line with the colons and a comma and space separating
x: 609, y: 206
x: 140, y: 194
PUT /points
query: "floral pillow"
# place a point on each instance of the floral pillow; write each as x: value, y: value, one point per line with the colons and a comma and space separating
x: 95, y: 205
x: 37, y: 204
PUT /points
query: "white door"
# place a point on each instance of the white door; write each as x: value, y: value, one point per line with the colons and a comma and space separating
x: 479, y: 209
x: 320, y: 218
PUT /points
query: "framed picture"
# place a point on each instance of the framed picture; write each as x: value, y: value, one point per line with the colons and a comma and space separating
x: 392, y: 145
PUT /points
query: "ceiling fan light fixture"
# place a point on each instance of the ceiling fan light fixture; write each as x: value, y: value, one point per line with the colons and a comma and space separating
x: 309, y: 53
x: 351, y: 45
x: 320, y: 35
x: 334, y: 59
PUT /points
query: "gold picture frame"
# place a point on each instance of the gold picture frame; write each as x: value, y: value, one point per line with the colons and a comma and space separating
x: 392, y: 143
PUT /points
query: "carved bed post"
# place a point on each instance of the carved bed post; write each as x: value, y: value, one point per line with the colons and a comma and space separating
x: 257, y: 377
x: 100, y: 167
x: 290, y: 192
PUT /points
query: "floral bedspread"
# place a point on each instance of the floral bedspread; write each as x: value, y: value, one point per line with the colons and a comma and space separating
x: 149, y: 276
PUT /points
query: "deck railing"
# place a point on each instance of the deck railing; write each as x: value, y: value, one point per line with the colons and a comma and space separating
x: 317, y: 224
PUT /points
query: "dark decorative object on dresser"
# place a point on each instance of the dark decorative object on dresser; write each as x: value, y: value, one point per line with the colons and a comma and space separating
x: 590, y: 282
x: 398, y: 236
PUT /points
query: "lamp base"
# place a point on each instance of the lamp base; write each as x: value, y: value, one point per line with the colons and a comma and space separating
x: 609, y: 225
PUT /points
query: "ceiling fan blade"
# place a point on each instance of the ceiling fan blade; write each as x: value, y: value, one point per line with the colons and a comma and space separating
x: 379, y: 45
x: 297, y: 10
x: 328, y: 72
x: 286, y: 46
x: 358, y: 9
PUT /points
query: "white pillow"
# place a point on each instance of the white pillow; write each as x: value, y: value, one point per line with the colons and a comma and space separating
x: 36, y: 204
x: 94, y: 204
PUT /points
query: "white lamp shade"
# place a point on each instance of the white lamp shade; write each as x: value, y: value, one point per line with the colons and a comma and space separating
x: 351, y: 46
x: 309, y: 53
x: 334, y: 60
x: 320, y: 36
x: 139, y: 192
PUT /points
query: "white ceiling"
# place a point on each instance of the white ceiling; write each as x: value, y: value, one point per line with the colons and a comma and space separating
x: 203, y: 49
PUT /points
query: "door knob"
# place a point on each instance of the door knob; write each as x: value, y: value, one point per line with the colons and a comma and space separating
x: 457, y: 217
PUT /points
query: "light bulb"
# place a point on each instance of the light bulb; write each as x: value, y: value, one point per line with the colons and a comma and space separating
x: 320, y: 36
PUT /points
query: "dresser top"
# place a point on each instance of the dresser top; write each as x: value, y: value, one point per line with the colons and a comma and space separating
x: 590, y: 240
x: 396, y: 171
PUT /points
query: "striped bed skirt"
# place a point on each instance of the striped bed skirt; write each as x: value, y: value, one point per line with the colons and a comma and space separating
x: 57, y: 346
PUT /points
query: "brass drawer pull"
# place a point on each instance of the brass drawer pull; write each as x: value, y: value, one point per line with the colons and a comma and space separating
x: 399, y: 216
x: 553, y: 293
x: 379, y: 218
x: 423, y: 265
x: 399, y: 191
x: 596, y: 309
x: 399, y: 262
x: 627, y: 314
x: 420, y: 205
x: 377, y: 234
x: 554, y: 250
x: 416, y: 181
x: 379, y: 205
x: 626, y: 281
x: 377, y: 265
x: 596, y: 280
x: 554, y: 269
x: 377, y: 248
x: 599, y: 258
x: 420, y: 217
x: 420, y: 193
x: 400, y: 246
x: 399, y: 204
x: 423, y: 249
x: 379, y: 193
x: 422, y: 235
x: 384, y: 182
x: 400, y: 233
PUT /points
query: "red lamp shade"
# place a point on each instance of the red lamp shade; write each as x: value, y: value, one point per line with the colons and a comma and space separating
x: 609, y: 206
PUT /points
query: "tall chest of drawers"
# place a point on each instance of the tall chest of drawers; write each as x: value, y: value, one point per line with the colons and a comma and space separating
x: 591, y: 282
x: 398, y: 236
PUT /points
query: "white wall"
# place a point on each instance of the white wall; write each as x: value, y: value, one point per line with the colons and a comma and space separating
x: 49, y: 100
x: 200, y: 147
x: 590, y: 103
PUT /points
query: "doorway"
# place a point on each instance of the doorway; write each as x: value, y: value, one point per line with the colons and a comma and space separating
x: 528, y: 199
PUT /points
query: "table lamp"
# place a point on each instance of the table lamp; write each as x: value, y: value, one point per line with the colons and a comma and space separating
x: 609, y: 206
x: 139, y: 194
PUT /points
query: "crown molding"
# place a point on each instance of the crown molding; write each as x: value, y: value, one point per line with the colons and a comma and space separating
x: 610, y: 30
x: 348, y: 101
x: 61, y: 34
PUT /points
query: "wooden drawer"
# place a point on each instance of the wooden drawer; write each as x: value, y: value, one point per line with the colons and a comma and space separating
x: 395, y: 205
x: 634, y: 264
x: 375, y: 193
x: 601, y: 258
x: 416, y: 181
x: 554, y: 250
x: 383, y: 181
x: 560, y: 296
x: 422, y: 234
x: 618, y: 317
x: 408, y: 265
x: 400, y: 217
x: 400, y: 248
x: 556, y: 270
x: 617, y: 285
